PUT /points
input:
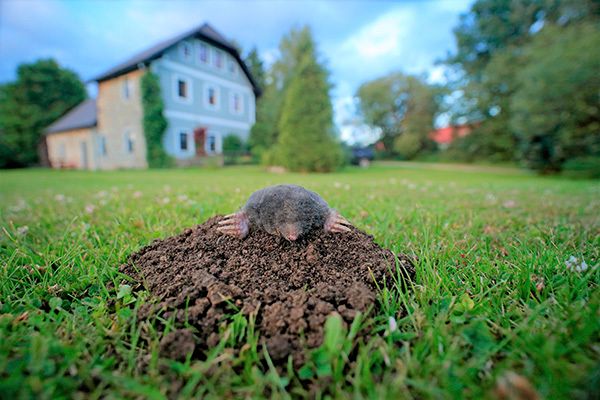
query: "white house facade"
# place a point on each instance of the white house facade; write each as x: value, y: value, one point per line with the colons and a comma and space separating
x: 207, y: 90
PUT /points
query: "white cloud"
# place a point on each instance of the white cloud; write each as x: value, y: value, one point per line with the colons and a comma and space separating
x: 381, y: 38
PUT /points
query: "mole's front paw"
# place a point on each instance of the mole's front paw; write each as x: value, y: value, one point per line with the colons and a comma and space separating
x: 235, y: 225
x: 336, y: 223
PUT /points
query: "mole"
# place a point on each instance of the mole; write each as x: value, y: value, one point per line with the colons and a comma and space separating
x: 289, y: 211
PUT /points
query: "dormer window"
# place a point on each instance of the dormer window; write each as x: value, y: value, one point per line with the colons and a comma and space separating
x: 186, y: 50
x: 204, y: 53
x: 218, y: 59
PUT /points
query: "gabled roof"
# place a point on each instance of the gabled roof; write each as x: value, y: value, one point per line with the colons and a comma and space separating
x: 82, y: 116
x: 204, y: 32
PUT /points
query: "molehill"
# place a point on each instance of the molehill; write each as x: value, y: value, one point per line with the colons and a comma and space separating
x: 291, y: 287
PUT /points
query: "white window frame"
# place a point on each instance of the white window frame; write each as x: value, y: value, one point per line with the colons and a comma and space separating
x: 217, y: 90
x: 62, y: 151
x: 190, y: 92
x: 190, y: 138
x: 232, y: 109
x: 232, y: 67
x: 218, y: 144
x: 128, y: 136
x: 207, y: 47
x: 222, y: 54
x: 182, y: 47
x: 126, y: 89
x: 102, y: 146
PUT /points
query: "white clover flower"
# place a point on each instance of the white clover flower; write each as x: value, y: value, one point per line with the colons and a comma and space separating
x: 574, y: 265
x: 510, y: 204
x: 90, y: 208
x: 182, y: 197
x: 165, y: 200
x: 59, y: 197
x: 393, y: 324
x: 20, y: 206
x: 137, y: 194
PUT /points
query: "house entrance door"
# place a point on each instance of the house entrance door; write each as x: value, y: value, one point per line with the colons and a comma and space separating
x: 84, y: 155
x: 199, y: 139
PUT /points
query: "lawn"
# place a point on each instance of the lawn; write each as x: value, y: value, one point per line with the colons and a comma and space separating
x: 494, y: 292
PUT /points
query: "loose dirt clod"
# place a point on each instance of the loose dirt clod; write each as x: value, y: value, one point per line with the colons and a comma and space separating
x: 291, y: 286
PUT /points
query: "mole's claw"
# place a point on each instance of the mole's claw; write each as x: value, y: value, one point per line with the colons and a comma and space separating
x: 338, y: 228
x: 336, y: 223
x: 236, y: 225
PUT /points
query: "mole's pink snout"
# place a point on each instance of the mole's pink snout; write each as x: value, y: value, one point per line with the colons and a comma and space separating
x: 290, y: 232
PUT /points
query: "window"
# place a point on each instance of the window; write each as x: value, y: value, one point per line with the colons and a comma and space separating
x: 218, y: 59
x: 203, y: 52
x: 236, y: 103
x: 62, y: 151
x: 129, y: 142
x: 211, y: 97
x: 232, y: 69
x: 183, y: 140
x: 126, y: 88
x: 102, y: 146
x: 182, y: 89
x: 186, y: 51
x: 211, y: 144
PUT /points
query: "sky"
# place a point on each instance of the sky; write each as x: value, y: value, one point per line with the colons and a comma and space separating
x: 358, y: 41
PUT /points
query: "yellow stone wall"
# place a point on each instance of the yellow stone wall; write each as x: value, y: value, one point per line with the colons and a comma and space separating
x: 116, y: 115
x: 66, y: 149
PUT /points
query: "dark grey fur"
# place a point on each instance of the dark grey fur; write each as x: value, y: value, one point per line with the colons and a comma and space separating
x: 276, y: 207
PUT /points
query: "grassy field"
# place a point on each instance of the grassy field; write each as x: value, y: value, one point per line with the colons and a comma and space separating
x: 494, y: 293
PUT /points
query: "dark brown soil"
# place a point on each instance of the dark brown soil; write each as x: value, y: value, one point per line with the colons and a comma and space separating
x: 290, y: 286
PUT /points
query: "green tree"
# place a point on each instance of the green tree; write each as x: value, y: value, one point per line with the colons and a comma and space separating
x: 265, y: 131
x: 154, y: 122
x: 489, y: 39
x: 257, y: 69
x: 306, y: 141
x: 42, y: 93
x: 556, y: 110
x: 404, y: 107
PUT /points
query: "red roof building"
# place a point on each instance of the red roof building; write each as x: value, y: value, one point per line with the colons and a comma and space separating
x: 444, y: 136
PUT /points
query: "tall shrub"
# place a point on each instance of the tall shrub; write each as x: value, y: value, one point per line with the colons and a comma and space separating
x: 306, y: 141
x: 154, y: 122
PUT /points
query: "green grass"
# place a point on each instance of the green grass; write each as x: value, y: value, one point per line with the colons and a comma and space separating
x: 492, y: 292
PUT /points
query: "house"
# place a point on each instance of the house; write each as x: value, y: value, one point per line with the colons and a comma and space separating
x: 444, y: 136
x: 207, y: 90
